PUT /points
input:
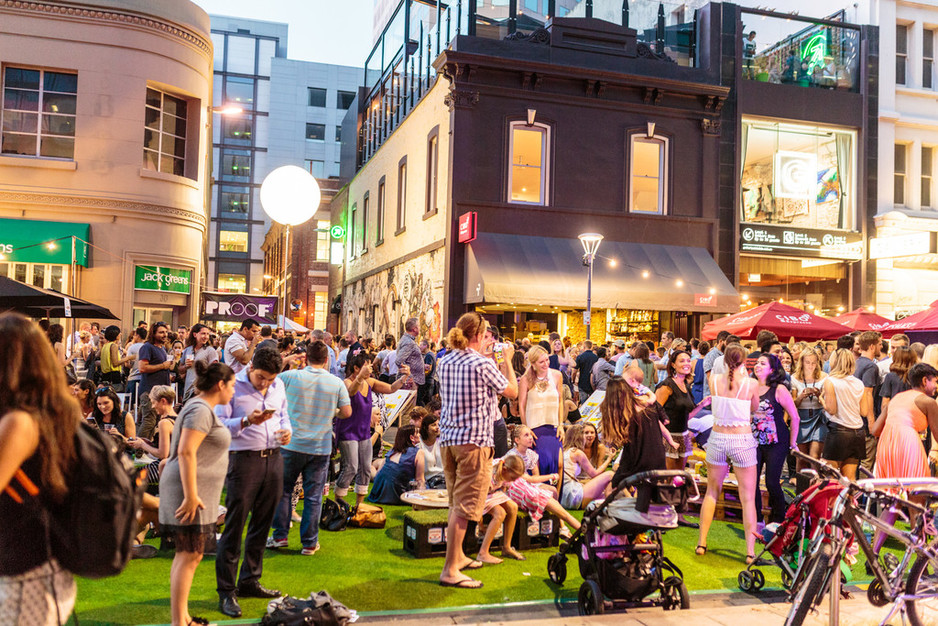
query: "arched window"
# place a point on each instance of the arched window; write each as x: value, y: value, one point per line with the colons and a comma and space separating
x: 648, y: 174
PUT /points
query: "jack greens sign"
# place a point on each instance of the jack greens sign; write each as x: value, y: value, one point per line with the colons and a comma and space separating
x: 151, y: 278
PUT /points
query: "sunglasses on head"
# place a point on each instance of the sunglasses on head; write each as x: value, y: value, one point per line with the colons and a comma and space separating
x: 103, y: 391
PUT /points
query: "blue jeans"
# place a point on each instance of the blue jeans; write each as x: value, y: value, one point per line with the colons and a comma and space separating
x: 315, y: 470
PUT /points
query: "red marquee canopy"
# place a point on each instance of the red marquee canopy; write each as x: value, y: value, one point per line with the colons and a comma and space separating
x: 862, y: 319
x: 926, y: 320
x: 783, y: 320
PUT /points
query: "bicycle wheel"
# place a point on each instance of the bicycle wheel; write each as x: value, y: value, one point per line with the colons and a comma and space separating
x: 812, y: 589
x: 922, y: 581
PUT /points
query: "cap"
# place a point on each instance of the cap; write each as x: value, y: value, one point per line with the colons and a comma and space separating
x: 620, y: 343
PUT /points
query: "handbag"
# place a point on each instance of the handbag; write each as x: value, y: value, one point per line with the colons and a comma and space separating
x: 335, y: 515
x: 368, y: 516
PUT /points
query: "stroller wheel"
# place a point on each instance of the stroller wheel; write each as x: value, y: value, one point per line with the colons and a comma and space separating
x: 745, y: 581
x: 590, y: 599
x: 758, y: 580
x: 674, y: 594
x: 787, y: 580
x: 557, y: 568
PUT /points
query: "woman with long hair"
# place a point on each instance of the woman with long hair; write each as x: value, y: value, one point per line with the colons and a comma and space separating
x: 594, y: 449
x: 38, y: 420
x: 642, y: 360
x: 57, y: 339
x: 559, y: 359
x: 806, y: 385
x: 773, y: 435
x: 733, y: 397
x: 674, y: 395
x: 404, y: 464
x: 84, y: 392
x: 633, y: 426
x: 895, y: 382
x: 433, y: 456
x: 108, y: 414
x: 582, y: 482
x: 845, y: 404
x: 191, y: 482
x: 540, y: 404
x: 198, y: 348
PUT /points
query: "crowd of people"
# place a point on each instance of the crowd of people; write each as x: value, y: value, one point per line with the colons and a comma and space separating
x: 266, y: 414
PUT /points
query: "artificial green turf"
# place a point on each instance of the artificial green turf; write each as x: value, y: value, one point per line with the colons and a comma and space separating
x: 369, y: 571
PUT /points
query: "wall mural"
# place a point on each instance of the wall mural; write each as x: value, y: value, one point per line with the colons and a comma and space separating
x: 411, y: 289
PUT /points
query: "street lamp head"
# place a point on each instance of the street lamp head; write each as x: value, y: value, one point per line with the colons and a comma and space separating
x: 590, y: 243
x: 290, y: 195
x: 227, y: 109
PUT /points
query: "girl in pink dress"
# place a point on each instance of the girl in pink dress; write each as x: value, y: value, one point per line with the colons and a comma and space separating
x: 509, y: 473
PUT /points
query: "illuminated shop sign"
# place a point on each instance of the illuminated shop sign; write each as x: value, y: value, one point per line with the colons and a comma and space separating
x: 903, y: 245
x: 795, y: 175
x: 800, y: 242
x: 814, y: 50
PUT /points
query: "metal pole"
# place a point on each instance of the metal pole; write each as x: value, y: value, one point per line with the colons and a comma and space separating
x: 589, y: 297
x: 286, y: 245
x: 834, y: 618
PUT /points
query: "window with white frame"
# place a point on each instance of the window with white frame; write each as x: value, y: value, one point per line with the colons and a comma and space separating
x: 529, y: 163
x: 899, y: 175
x: 322, y: 243
x: 902, y: 52
x: 320, y: 309
x: 38, y: 114
x: 648, y: 174
x: 351, y: 231
x: 164, y: 141
x: 401, y: 196
x: 927, y: 164
x: 433, y: 157
x: 365, y: 203
x: 379, y: 217
x: 928, y: 58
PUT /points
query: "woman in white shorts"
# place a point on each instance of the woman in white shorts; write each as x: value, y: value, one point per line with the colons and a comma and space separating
x: 732, y: 396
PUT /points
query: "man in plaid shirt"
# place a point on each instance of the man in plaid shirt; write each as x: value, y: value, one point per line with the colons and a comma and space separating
x: 470, y: 384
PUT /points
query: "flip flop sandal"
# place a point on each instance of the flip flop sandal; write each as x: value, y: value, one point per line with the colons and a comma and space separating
x: 473, y: 564
x: 465, y: 583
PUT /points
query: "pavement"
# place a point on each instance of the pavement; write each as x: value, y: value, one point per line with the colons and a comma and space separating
x: 712, y: 609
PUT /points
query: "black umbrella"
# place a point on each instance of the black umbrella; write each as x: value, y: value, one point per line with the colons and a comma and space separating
x: 38, y: 302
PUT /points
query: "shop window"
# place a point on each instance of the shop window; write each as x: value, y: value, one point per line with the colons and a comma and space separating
x: 928, y: 58
x: 232, y: 241
x: 237, y: 131
x: 902, y: 52
x: 316, y: 168
x: 316, y: 132
x: 164, y: 137
x: 379, y: 217
x: 43, y: 275
x: 38, y: 114
x: 320, y: 309
x: 927, y: 152
x: 344, y: 99
x: 316, y: 97
x: 899, y: 176
x: 648, y: 174
x: 798, y: 175
x: 529, y: 163
x: 239, y: 91
x: 235, y: 200
x: 401, y: 196
x: 322, y: 243
x: 433, y: 160
x: 232, y: 283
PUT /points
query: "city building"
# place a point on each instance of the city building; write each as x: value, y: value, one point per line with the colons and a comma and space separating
x: 104, y: 152
x: 491, y: 141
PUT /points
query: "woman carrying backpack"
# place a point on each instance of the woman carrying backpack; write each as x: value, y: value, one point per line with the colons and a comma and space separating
x: 38, y: 419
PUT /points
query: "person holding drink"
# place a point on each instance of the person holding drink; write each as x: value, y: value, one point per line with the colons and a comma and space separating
x: 257, y: 419
x: 198, y: 348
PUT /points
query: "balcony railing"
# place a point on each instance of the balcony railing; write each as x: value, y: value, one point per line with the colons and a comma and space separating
x: 793, y: 50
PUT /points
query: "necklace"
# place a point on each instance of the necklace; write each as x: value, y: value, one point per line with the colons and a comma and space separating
x: 541, y: 383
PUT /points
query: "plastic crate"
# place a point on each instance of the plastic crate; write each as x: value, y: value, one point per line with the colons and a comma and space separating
x: 425, y: 534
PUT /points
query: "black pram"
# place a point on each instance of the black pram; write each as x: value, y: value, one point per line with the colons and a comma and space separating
x: 619, y: 546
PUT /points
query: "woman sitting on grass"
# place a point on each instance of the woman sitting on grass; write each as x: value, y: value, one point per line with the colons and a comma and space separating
x: 404, y: 465
x: 509, y: 474
x: 523, y: 438
x: 433, y: 456
x: 109, y: 417
x: 574, y: 494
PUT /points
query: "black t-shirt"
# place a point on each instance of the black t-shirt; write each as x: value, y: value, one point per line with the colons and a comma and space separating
x: 154, y: 355
x: 867, y: 371
x: 584, y: 364
x: 678, y: 407
x: 645, y: 450
x: 892, y: 385
x: 22, y: 539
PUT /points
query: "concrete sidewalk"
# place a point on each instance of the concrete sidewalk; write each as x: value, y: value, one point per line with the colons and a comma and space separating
x: 731, y: 609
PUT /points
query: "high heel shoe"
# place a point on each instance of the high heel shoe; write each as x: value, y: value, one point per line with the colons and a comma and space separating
x: 698, y: 549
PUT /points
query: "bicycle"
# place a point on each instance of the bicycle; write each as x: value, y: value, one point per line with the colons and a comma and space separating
x: 915, y: 595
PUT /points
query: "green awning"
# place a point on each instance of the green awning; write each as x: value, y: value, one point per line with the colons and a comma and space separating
x: 33, y: 241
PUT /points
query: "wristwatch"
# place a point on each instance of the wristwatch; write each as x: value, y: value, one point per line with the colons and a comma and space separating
x: 245, y: 422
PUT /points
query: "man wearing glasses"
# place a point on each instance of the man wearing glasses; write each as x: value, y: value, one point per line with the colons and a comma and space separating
x: 155, y: 368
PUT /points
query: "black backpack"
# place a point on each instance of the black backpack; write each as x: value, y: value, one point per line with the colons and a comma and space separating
x: 335, y: 514
x: 91, y: 532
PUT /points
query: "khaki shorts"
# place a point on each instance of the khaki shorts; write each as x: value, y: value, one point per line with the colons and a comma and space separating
x: 468, y: 470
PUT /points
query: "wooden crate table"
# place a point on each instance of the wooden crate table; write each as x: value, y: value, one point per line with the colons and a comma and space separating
x: 425, y: 533
x: 729, y: 507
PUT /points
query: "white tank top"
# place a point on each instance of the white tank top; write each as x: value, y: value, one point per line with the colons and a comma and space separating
x: 731, y: 412
x: 542, y: 407
x: 847, y: 390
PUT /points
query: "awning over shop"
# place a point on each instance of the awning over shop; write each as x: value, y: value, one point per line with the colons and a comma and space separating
x: 543, y: 271
x: 35, y: 241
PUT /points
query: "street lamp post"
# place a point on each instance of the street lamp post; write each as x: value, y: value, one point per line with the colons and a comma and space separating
x: 290, y: 196
x: 590, y: 243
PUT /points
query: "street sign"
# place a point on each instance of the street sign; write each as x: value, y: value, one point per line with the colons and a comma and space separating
x: 337, y: 232
x: 586, y: 317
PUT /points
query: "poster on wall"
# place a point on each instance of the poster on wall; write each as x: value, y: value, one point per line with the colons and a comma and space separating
x: 237, y: 307
x: 589, y: 410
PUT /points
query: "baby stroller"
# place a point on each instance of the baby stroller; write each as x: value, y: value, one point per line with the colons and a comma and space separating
x: 619, y: 545
x: 786, y: 542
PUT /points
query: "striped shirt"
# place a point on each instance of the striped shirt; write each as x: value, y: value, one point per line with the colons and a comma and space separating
x: 313, y: 395
x: 469, y: 388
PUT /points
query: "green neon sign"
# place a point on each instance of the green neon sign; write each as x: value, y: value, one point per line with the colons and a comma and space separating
x: 814, y: 51
x: 337, y: 232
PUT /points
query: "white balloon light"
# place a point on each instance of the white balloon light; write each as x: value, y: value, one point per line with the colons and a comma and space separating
x: 290, y: 195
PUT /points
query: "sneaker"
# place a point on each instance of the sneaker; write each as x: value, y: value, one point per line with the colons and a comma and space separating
x: 274, y: 544
x: 310, y: 551
x: 143, y: 551
x: 296, y: 517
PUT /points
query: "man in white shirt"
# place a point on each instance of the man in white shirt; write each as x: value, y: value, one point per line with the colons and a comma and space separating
x: 239, y: 349
x: 894, y: 342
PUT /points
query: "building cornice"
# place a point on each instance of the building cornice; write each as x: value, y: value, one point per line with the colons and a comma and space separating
x: 112, y: 17
x: 107, y: 206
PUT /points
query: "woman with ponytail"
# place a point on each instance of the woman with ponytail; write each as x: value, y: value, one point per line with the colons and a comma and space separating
x: 470, y: 384
x: 734, y: 396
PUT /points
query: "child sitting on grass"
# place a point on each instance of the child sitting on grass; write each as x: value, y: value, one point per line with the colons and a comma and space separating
x: 509, y: 473
x: 523, y: 438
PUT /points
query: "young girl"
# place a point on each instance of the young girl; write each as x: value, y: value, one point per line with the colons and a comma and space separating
x: 504, y: 512
x: 509, y: 474
x: 523, y: 438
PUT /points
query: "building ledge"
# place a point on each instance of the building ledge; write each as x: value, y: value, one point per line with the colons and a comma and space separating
x: 52, y: 164
x: 917, y: 92
x: 170, y: 178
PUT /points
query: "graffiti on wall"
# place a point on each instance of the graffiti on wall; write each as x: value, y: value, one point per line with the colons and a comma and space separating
x: 411, y: 289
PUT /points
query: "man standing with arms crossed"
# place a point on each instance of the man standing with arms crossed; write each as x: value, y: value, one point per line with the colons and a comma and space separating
x: 259, y: 424
x: 239, y: 349
x: 313, y: 395
x: 470, y: 386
